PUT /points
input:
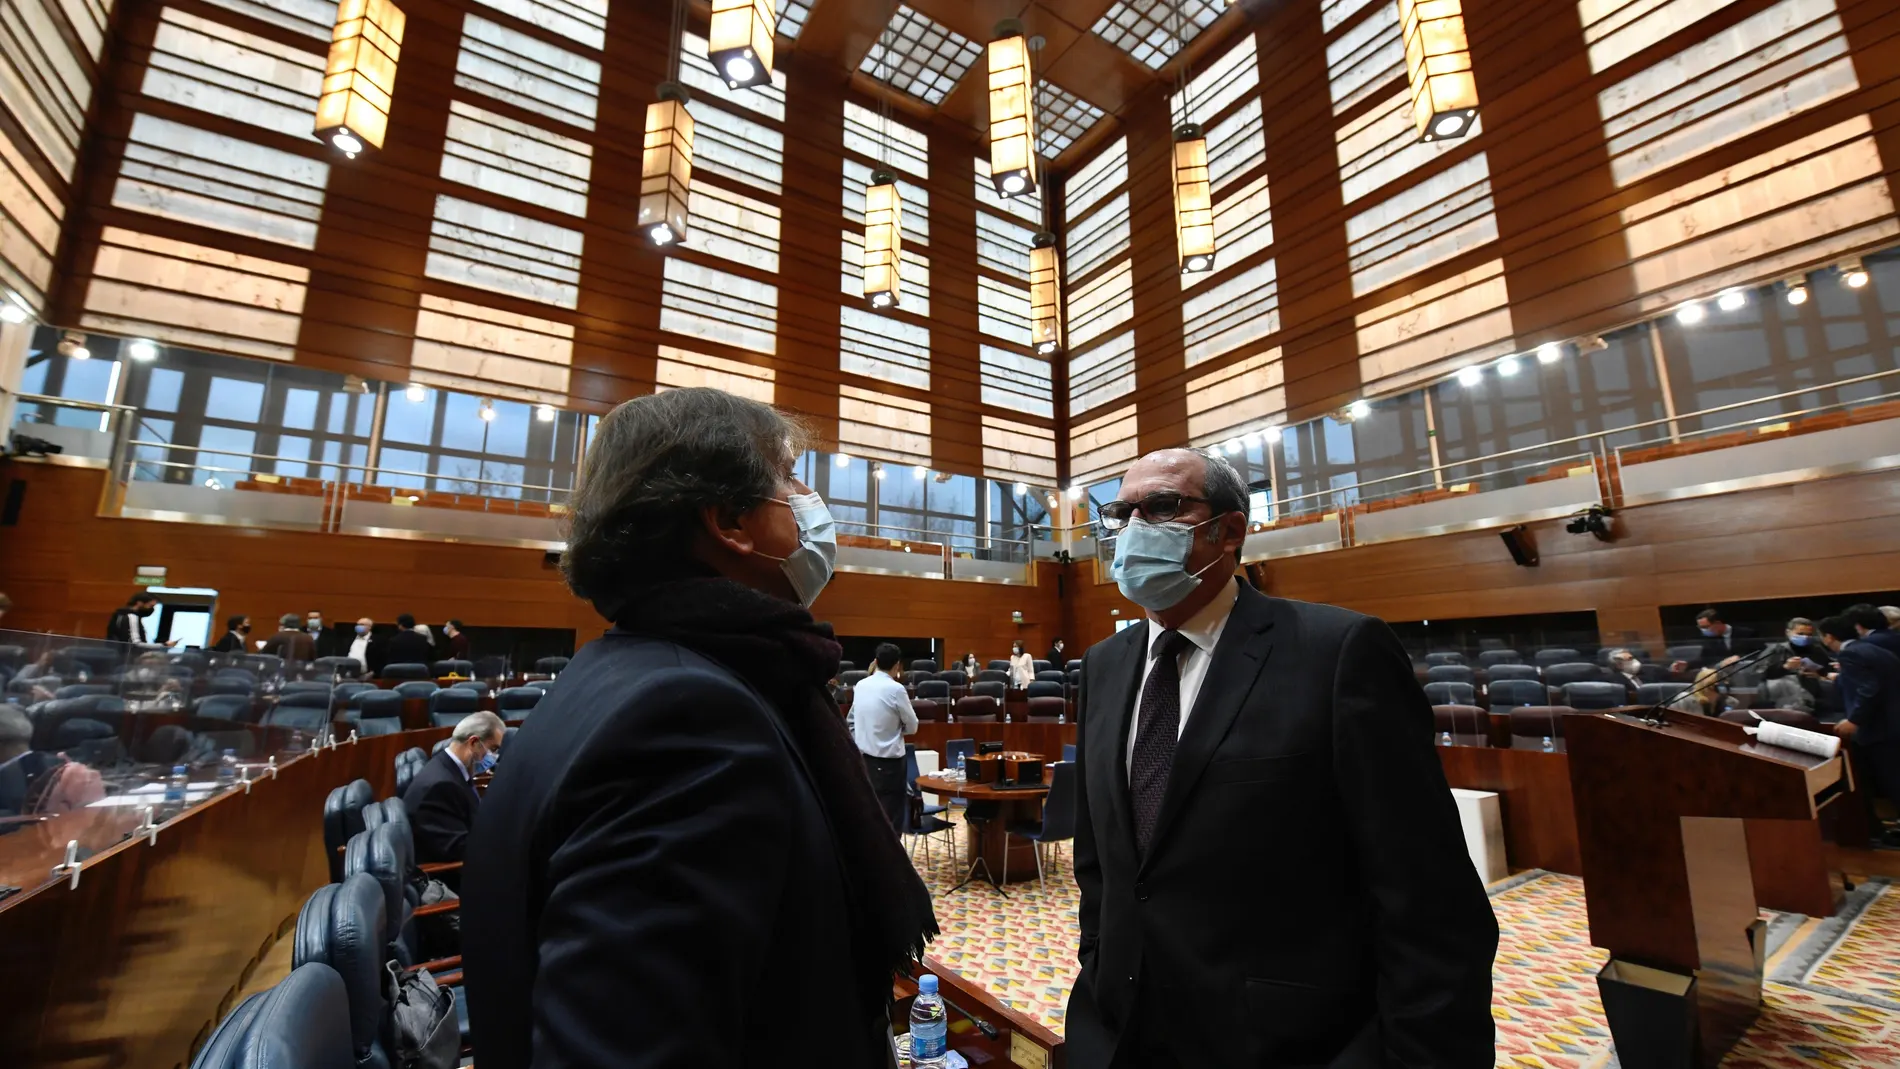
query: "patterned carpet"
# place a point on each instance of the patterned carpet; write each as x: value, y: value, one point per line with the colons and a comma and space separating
x: 1833, y: 997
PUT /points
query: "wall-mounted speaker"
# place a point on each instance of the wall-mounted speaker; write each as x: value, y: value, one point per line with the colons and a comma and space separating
x: 1518, y: 541
x: 551, y: 558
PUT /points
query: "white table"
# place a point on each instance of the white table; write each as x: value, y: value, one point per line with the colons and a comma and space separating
x: 927, y: 763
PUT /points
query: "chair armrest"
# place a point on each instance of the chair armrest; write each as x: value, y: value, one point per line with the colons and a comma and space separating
x: 449, y: 979
x: 434, y: 908
x: 438, y: 965
x: 433, y: 867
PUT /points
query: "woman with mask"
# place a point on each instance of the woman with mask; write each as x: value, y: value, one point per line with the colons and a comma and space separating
x: 1022, y: 667
x: 682, y: 861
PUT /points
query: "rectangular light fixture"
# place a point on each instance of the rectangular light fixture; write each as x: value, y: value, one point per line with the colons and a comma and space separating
x: 739, y: 41
x: 1438, y: 64
x: 1193, y: 200
x: 360, y: 77
x: 883, y: 239
x: 1045, y: 295
x: 1012, y: 117
x: 666, y: 167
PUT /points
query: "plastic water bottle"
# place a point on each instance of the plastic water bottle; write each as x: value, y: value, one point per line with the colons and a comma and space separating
x: 227, y: 769
x: 1549, y: 746
x: 962, y: 771
x: 929, y: 1026
x: 1445, y: 739
x: 175, y: 785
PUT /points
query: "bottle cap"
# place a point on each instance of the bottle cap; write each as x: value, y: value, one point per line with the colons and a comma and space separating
x: 927, y: 984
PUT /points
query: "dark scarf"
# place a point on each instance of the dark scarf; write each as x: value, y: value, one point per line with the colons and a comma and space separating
x: 789, y: 658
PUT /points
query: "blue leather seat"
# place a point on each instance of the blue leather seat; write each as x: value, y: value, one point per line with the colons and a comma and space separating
x: 1436, y: 659
x: 1058, y: 817
x: 1555, y: 655
x: 853, y: 678
x: 453, y: 668
x: 306, y: 699
x: 384, y: 703
x: 342, y: 819
x: 1510, y: 693
x: 1450, y: 673
x: 231, y: 685
x: 386, y: 853
x: 1511, y: 670
x: 474, y: 686
x: 1595, y: 695
x: 372, y: 726
x: 302, y: 1023
x: 343, y: 926
x: 1558, y: 675
x: 405, y: 670
x: 1047, y: 710
x: 1451, y: 693
x: 82, y: 690
x: 346, y: 692
x: 417, y: 688
x: 1493, y: 658
x: 990, y: 688
x: 297, y: 717
x: 238, y: 707
x: 518, y: 701
x: 956, y: 677
x: 328, y: 668
x: 1050, y: 675
x: 935, y: 690
x: 462, y: 702
x: 551, y: 665
x: 1045, y: 688
x: 298, y: 686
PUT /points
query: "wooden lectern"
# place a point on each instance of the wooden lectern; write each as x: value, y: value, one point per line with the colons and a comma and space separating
x: 1660, y: 813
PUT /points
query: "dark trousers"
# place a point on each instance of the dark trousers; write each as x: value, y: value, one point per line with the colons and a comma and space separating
x: 887, y: 782
x: 1881, y: 764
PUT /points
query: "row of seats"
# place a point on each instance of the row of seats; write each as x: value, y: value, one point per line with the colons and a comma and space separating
x: 928, y: 668
x: 1582, y: 694
x: 983, y: 709
x: 1531, y: 724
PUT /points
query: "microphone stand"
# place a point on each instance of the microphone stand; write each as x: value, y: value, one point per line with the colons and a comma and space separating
x: 1655, y: 715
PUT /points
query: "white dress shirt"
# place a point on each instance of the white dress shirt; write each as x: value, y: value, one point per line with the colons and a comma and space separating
x: 1202, y: 630
x: 359, y: 650
x: 881, y: 715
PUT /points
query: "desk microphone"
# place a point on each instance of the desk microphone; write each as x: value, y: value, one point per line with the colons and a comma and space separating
x: 983, y: 1026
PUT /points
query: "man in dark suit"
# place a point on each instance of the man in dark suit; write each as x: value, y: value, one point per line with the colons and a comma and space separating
x: 441, y: 799
x: 235, y: 630
x: 1244, y: 758
x: 407, y: 646
x: 1721, y: 639
x: 1871, y: 625
x: 1869, y: 686
x: 128, y: 621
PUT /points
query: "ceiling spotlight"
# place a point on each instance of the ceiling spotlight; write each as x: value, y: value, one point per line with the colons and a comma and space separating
x: 415, y: 392
x: 347, y: 143
x: 1232, y: 447
x: 1692, y: 313
x: 1053, y: 502
x: 1047, y: 348
x: 1250, y: 439
x: 12, y: 311
x: 881, y: 299
x: 1075, y: 493
x: 140, y: 349
x: 662, y: 234
x: 1853, y: 274
x: 1271, y: 434
x: 1448, y: 125
x: 1014, y: 184
x: 1797, y: 288
x: 1359, y: 409
x: 739, y: 71
x: 1198, y: 263
x: 544, y: 413
x: 1732, y: 300
x: 1550, y: 352
x: 1508, y: 366
x: 211, y: 482
x: 1470, y: 376
x: 488, y: 411
x: 80, y: 352
x: 1021, y: 489
x: 920, y: 471
x: 843, y: 460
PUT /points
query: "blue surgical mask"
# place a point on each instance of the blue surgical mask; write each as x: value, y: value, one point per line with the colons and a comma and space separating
x: 1799, y: 640
x: 484, y: 763
x: 316, y: 624
x: 1708, y: 632
x: 361, y: 630
x: 1151, y: 563
x: 809, y: 567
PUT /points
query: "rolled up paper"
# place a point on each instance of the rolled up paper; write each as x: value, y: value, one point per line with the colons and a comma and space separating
x: 1792, y: 738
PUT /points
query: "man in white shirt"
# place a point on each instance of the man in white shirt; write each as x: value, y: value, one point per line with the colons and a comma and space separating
x: 359, y: 646
x: 1242, y: 757
x: 881, y: 715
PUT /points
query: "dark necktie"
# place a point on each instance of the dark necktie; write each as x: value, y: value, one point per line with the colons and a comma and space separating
x: 1160, y: 724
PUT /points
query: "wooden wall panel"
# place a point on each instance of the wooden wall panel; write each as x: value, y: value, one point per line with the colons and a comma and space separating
x: 67, y: 568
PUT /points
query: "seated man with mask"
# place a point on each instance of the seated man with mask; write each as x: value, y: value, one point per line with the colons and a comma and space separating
x: 441, y: 800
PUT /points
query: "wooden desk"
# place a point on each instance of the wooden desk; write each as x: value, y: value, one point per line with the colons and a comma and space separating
x: 1005, y: 857
x: 1787, y: 858
x: 1044, y: 739
x: 968, y: 999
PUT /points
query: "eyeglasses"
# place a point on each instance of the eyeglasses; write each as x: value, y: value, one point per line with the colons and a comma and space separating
x: 1155, y: 508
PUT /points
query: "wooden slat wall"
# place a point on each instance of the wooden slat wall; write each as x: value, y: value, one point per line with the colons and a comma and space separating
x: 1821, y: 539
x: 50, y: 53
x: 66, y: 568
x: 352, y: 301
x: 1574, y: 253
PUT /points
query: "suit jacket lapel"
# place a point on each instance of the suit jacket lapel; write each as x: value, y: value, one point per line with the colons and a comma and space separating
x: 1238, y: 659
x: 1113, y: 711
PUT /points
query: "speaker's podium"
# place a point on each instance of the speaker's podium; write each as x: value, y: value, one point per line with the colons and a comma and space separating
x: 1660, y: 811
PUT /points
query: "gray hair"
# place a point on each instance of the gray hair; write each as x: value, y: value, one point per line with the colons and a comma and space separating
x: 1892, y: 613
x: 1799, y: 621
x: 289, y: 621
x: 483, y: 725
x: 1223, y: 487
